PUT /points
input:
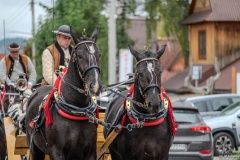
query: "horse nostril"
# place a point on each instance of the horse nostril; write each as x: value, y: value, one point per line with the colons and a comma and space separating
x: 91, y: 85
x: 149, y: 103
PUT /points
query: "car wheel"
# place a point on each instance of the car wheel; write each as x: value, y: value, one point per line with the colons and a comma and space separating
x: 223, y: 144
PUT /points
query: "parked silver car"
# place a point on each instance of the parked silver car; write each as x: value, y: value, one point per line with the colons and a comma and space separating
x: 193, y: 140
x: 226, y: 130
x: 211, y: 105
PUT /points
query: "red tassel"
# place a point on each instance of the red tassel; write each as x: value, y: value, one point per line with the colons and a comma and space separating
x: 170, y: 114
x: 2, y: 97
x: 47, y: 111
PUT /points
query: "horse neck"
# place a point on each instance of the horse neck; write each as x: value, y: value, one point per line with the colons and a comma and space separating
x: 70, y: 95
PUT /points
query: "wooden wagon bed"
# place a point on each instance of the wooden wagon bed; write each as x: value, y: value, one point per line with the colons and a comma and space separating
x: 17, y: 146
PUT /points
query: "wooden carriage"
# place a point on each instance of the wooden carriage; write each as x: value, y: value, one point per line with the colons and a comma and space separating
x: 17, y: 145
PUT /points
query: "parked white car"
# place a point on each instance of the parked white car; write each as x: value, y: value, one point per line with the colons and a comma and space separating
x: 226, y: 130
x: 211, y: 105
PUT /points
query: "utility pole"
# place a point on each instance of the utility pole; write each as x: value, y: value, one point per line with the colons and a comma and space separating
x: 112, y: 47
x: 33, y: 34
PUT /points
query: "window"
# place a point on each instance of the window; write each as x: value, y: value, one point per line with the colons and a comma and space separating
x: 220, y: 104
x: 186, y: 116
x: 202, y: 106
x: 202, y: 45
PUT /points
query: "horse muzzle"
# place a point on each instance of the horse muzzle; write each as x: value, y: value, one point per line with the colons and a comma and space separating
x: 95, y: 88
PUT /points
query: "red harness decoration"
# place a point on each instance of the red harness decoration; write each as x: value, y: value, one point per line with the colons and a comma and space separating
x: 47, y: 111
x: 2, y: 98
x: 57, y: 86
x: 174, y: 125
x: 158, y: 121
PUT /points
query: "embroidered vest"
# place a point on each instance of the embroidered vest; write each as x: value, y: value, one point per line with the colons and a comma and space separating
x: 23, y: 59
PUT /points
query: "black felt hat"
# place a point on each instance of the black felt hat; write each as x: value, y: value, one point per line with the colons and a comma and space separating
x: 63, y: 30
x: 13, y: 47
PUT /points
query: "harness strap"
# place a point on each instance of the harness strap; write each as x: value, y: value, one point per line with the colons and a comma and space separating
x: 72, y: 117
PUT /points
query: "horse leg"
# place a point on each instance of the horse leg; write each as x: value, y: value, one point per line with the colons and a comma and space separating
x: 36, y: 153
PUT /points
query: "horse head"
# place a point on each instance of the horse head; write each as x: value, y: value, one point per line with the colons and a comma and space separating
x: 148, y: 79
x: 86, y: 58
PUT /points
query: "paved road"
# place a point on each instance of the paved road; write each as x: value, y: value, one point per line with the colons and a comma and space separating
x: 231, y: 157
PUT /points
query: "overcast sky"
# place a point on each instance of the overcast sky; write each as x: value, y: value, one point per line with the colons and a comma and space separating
x: 17, y: 16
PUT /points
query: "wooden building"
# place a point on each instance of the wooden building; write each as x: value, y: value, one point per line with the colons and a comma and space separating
x: 214, y: 30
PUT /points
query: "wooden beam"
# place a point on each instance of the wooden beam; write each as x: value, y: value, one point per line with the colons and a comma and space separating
x: 234, y: 84
x: 10, y: 131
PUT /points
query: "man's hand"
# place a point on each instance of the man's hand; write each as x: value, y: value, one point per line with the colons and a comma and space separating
x: 1, y: 87
x: 29, y: 86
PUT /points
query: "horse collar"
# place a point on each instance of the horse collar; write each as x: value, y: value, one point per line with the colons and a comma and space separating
x: 148, y: 119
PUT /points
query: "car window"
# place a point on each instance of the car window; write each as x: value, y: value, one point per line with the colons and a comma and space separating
x: 219, y: 103
x: 230, y: 109
x: 235, y: 99
x: 186, y: 116
x: 202, y: 106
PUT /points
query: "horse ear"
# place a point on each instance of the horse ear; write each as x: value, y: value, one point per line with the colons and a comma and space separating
x: 161, y: 51
x: 134, y: 52
x: 74, y: 35
x: 95, y: 34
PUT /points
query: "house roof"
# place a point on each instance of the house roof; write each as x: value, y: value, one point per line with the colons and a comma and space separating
x: 171, y: 53
x: 176, y: 83
x: 220, y: 10
x: 224, y: 83
x: 137, y: 32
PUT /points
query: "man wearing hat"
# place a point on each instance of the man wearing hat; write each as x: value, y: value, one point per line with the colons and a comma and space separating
x: 11, y: 66
x: 56, y: 55
x: 14, y: 64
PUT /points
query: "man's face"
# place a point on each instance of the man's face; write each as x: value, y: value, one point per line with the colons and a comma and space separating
x: 63, y: 41
x: 14, y: 54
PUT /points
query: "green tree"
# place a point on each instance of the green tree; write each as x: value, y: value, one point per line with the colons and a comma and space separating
x: 79, y: 14
x: 169, y: 13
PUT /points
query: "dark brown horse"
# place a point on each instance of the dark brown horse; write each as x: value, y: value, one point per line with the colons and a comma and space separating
x: 3, y: 147
x: 8, y: 107
x: 146, y: 132
x: 70, y: 136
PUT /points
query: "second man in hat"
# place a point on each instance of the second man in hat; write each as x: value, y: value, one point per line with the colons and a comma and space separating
x: 56, y: 55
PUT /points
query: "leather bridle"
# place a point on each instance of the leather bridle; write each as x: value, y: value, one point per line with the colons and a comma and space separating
x: 75, y: 59
x: 151, y: 85
x: 82, y: 74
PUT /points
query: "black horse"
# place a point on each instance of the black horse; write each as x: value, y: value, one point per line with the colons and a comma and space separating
x: 9, y: 99
x: 70, y: 135
x: 148, y: 134
x: 3, y: 147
